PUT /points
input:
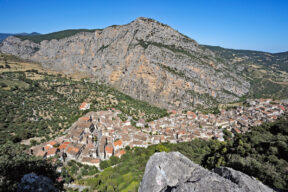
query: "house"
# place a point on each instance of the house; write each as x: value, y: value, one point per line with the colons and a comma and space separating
x: 91, y: 161
x: 222, y: 123
x: 74, y: 151
x: 85, y: 118
x: 41, y: 153
x: 119, y: 153
x: 51, y: 143
x: 87, y: 126
x: 118, y: 144
x: 264, y: 101
x: 63, y: 146
x: 52, y: 152
x: 191, y: 115
x: 109, y: 151
x: 77, y: 135
x: 235, y: 130
x: 101, y: 151
x: 84, y: 106
x: 138, y: 144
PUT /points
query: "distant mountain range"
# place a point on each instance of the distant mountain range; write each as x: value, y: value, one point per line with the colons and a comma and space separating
x: 5, y: 35
x: 153, y: 62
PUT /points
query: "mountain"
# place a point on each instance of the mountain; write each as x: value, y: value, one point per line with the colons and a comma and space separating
x: 37, y: 38
x: 145, y: 59
x: 266, y: 72
x: 175, y: 172
x: 275, y: 60
x: 5, y: 35
x: 151, y: 61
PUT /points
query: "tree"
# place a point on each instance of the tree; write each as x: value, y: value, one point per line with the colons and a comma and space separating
x: 114, y: 160
x: 104, y: 164
x: 15, y: 163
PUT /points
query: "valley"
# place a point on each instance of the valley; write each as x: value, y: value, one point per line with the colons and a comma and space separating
x: 88, y: 108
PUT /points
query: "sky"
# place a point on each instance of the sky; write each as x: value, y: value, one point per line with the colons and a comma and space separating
x: 240, y: 24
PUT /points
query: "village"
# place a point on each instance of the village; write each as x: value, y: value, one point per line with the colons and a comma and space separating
x: 97, y: 136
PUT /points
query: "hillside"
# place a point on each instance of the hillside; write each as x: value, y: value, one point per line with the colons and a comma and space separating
x: 42, y: 104
x: 261, y: 153
x: 151, y: 61
x: 37, y: 38
x: 146, y: 59
x: 5, y: 35
x: 266, y: 72
x: 273, y: 60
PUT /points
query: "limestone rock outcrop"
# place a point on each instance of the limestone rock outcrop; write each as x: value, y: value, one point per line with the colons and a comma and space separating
x: 173, y: 172
x: 34, y: 183
x: 145, y: 59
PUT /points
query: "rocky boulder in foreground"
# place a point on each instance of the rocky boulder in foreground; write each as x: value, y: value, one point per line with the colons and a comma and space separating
x: 174, y: 172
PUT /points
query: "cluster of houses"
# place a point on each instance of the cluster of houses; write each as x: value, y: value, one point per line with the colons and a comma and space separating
x: 186, y: 126
x: 99, y: 135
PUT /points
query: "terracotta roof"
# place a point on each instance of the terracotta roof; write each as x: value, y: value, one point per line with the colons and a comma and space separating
x: 51, y: 151
x: 47, y: 147
x: 83, y: 105
x: 109, y: 149
x: 282, y: 107
x: 182, y: 132
x: 120, y: 153
x: 237, y: 130
x: 85, y: 118
x: 190, y: 113
x: 118, y: 143
x: 173, y: 112
x: 62, y: 146
x: 72, y: 149
x: 52, y: 143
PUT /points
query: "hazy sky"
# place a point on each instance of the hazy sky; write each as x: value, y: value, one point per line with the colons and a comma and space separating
x: 242, y: 24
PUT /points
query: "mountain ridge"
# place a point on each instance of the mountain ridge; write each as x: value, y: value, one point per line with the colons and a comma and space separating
x: 146, y: 59
x: 5, y: 35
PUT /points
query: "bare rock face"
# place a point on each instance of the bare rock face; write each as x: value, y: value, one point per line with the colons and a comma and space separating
x: 173, y: 172
x: 145, y: 59
x: 34, y: 183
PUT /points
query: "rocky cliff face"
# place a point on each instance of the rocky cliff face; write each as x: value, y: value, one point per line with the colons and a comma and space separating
x: 173, y: 172
x: 145, y: 59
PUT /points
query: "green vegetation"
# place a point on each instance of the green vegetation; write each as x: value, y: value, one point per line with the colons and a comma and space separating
x: 266, y: 72
x: 14, y: 164
x: 261, y: 153
x: 56, y: 35
x: 75, y: 170
x: 203, y: 59
x: 112, y: 161
x: 126, y: 175
x: 49, y: 104
x: 265, y: 88
x: 276, y: 60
